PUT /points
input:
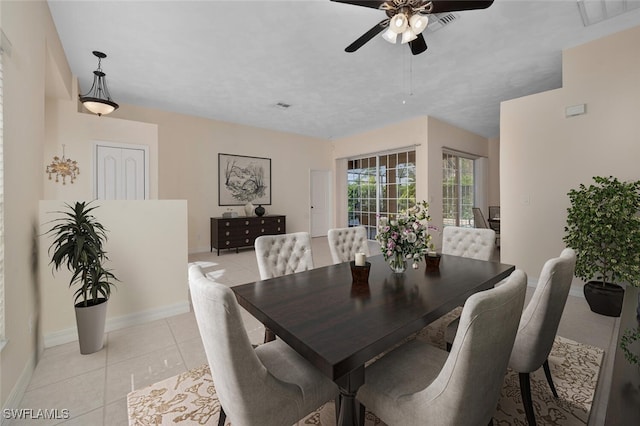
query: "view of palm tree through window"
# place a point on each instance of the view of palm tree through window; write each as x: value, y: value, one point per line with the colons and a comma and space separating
x: 458, y: 196
x: 380, y: 185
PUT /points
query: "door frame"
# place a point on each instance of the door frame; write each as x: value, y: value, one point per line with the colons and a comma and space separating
x: 94, y: 163
x: 329, y: 207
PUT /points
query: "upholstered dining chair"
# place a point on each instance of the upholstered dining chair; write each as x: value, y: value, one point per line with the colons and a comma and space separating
x: 271, y: 385
x: 476, y: 243
x: 538, y: 325
x: 283, y: 254
x: 344, y: 243
x: 478, y: 218
x: 418, y: 384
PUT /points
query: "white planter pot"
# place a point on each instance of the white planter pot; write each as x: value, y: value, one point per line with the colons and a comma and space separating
x: 90, y: 321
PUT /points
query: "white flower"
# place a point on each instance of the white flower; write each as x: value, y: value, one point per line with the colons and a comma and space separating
x: 411, y: 237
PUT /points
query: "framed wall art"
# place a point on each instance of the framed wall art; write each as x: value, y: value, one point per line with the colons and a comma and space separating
x: 243, y: 179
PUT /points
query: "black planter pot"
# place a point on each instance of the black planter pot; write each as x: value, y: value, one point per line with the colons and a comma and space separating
x: 604, y: 300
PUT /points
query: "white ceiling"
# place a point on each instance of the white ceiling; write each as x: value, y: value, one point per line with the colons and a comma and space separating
x: 234, y: 60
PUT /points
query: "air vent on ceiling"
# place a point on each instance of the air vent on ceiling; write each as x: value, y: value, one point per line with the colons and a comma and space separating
x: 283, y: 105
x: 440, y: 20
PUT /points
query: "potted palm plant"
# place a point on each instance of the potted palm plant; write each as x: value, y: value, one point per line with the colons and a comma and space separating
x: 78, y: 245
x: 603, y: 227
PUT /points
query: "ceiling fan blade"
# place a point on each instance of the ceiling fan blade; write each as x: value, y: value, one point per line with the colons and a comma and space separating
x: 440, y: 6
x: 372, y: 4
x: 367, y: 36
x: 418, y: 45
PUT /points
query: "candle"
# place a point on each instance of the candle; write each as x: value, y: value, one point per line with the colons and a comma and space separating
x: 360, y: 259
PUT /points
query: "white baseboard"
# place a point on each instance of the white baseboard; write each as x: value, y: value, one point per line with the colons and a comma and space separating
x: 71, y: 334
x: 15, y: 397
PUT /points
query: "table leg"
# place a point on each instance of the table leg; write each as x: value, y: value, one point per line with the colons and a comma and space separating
x: 349, y: 385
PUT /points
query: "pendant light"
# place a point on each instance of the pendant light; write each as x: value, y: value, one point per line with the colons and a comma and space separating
x: 97, y: 99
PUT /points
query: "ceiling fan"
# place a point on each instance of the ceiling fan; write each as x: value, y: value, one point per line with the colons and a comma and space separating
x: 406, y: 19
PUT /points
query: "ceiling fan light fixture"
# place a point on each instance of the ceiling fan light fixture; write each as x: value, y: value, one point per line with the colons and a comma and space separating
x: 418, y: 23
x: 408, y: 35
x: 390, y: 36
x: 399, y: 23
x: 97, y: 99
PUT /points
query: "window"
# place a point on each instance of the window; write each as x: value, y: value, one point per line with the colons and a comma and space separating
x: 380, y: 185
x: 458, y: 195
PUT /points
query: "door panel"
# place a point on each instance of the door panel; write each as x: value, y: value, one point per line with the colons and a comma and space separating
x: 121, y: 173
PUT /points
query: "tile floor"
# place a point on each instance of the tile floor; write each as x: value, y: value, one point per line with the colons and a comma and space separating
x: 94, y: 387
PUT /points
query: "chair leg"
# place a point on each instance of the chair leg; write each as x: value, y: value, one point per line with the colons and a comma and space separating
x: 525, y: 390
x: 223, y: 417
x: 547, y: 373
x: 269, y: 335
x: 361, y: 415
x: 337, y: 403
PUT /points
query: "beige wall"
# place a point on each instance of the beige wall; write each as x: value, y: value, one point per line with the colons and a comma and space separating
x: 443, y: 135
x: 147, y: 249
x: 188, y: 163
x: 543, y: 154
x: 429, y: 136
x: 35, y: 46
x: 77, y: 131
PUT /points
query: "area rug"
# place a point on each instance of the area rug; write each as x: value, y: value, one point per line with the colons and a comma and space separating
x: 190, y: 398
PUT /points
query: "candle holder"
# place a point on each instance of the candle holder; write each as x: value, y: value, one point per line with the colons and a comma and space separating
x: 360, y: 274
x: 433, y: 261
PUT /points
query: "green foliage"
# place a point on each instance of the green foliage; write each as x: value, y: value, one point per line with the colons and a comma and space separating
x: 630, y: 336
x: 78, y: 246
x: 603, y: 227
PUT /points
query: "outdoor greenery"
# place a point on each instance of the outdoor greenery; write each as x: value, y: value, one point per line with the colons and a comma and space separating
x: 78, y: 245
x: 630, y: 336
x: 603, y: 227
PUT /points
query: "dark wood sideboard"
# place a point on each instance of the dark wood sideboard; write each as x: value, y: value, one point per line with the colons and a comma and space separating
x: 228, y: 233
x: 623, y: 408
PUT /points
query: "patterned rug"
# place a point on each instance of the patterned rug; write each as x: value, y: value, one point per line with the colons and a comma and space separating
x: 190, y: 398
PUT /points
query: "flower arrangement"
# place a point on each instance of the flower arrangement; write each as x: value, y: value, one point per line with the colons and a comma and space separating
x: 406, y: 237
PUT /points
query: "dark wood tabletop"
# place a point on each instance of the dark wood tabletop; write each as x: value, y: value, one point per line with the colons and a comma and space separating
x: 338, y: 326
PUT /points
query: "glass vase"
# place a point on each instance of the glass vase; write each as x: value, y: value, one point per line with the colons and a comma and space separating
x: 398, y: 263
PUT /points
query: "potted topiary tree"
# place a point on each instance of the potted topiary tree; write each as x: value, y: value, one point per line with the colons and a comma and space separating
x: 78, y: 245
x: 603, y: 227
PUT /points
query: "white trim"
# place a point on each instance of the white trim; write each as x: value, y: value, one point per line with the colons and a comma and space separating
x: 378, y: 153
x: 15, y: 397
x: 71, y: 334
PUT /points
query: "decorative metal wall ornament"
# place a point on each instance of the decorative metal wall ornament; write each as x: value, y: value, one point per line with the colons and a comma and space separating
x: 63, y: 167
x: 97, y: 99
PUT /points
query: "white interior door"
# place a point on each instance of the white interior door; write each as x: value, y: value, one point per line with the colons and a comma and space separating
x: 320, y: 192
x: 122, y: 172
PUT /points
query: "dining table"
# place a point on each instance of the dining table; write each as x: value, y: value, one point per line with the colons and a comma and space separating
x: 338, y: 325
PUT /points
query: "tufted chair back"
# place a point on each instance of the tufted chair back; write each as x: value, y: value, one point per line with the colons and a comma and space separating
x: 344, y: 243
x: 475, y: 243
x: 284, y: 254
